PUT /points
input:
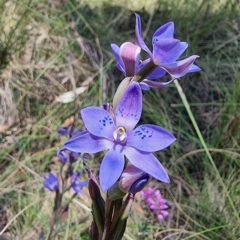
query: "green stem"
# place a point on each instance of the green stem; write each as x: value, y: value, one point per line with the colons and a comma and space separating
x: 190, y: 114
x: 144, y: 72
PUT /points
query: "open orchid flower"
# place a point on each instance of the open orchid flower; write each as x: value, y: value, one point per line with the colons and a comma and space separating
x: 166, y: 51
x: 117, y: 134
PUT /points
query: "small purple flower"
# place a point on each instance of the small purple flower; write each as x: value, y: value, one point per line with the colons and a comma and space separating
x: 155, y: 201
x: 166, y: 51
x: 65, y: 156
x: 75, y: 182
x: 119, y: 136
x: 51, y: 182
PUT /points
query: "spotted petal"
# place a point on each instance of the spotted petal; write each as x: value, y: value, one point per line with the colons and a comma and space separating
x: 147, y: 162
x: 150, y: 138
x: 138, y: 35
x: 88, y: 143
x: 98, y: 122
x: 180, y: 68
x: 129, y: 108
x: 111, y: 168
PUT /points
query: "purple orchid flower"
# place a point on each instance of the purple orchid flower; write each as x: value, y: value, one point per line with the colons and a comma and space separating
x: 166, y: 51
x: 51, y: 182
x: 119, y: 136
x: 76, y: 184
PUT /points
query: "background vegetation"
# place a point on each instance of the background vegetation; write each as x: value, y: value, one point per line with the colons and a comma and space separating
x: 50, y: 47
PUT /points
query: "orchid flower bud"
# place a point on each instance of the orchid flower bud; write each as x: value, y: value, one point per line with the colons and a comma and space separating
x: 133, y: 180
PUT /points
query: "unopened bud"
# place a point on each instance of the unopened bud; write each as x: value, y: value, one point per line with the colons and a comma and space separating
x: 133, y: 180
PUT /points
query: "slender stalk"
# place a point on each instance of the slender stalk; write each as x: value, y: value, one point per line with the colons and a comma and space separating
x: 144, y: 72
x: 108, y: 218
x: 117, y: 209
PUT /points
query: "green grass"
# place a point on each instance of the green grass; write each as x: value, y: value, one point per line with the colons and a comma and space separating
x: 48, y: 48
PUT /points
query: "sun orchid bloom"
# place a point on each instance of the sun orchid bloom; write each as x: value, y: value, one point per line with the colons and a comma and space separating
x: 166, y: 51
x: 75, y: 182
x: 121, y: 139
x: 51, y: 182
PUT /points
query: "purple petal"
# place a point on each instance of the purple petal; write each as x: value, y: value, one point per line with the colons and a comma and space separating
x: 130, y: 55
x: 180, y: 68
x: 129, y: 108
x: 138, y: 36
x: 98, y: 122
x: 116, y: 53
x: 147, y: 162
x: 150, y: 138
x: 144, y: 86
x: 87, y: 143
x: 155, y: 84
x: 167, y: 50
x: 183, y: 47
x: 194, y: 68
x: 157, y: 73
x: 165, y: 31
x: 111, y: 168
x: 51, y: 182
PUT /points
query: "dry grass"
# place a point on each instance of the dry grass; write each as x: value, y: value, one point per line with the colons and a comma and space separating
x: 48, y: 48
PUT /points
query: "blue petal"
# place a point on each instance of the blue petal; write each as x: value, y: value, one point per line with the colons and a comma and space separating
x: 144, y: 86
x: 87, y: 143
x: 129, y: 108
x: 166, y: 51
x: 157, y: 73
x: 150, y: 138
x: 155, y: 84
x: 194, y: 68
x: 116, y: 53
x: 183, y: 47
x: 111, y: 168
x: 147, y: 162
x: 180, y: 68
x: 98, y: 122
x: 138, y: 35
x: 165, y: 31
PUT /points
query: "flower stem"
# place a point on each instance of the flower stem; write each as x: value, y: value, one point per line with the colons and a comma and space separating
x: 108, y: 218
x: 144, y: 72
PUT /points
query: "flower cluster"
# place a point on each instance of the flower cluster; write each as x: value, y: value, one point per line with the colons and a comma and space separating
x: 163, y: 58
x: 129, y: 162
x: 156, y: 203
